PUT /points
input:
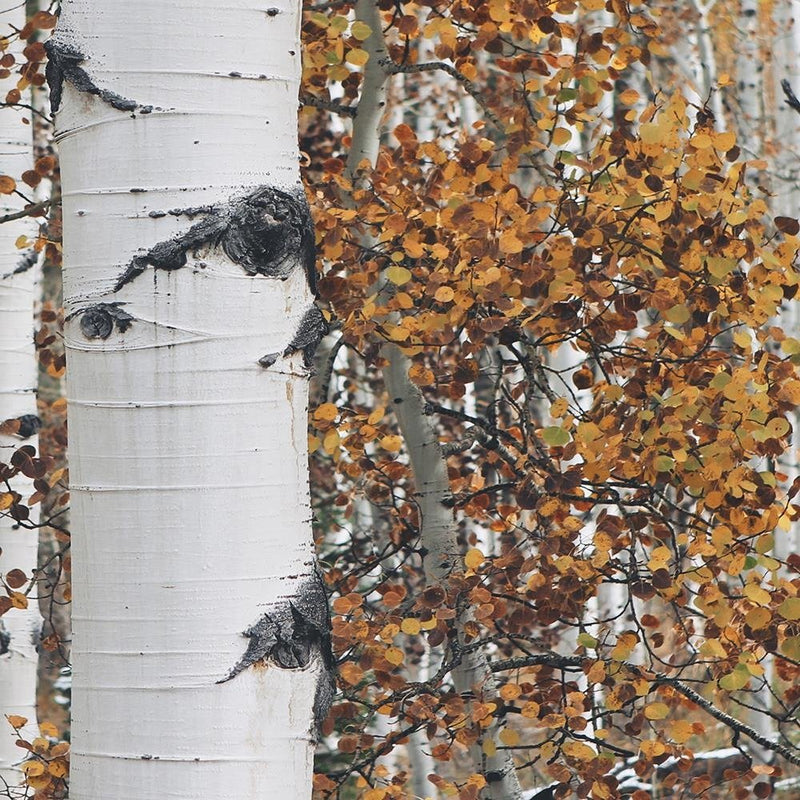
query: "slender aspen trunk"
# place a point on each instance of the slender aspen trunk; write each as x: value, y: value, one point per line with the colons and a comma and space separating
x: 19, y: 627
x: 201, y: 650
x: 438, y: 539
x: 53, y: 578
x: 437, y: 534
x: 750, y: 89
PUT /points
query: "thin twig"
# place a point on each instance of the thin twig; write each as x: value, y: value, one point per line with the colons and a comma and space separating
x: 30, y: 210
x: 433, y: 66
x: 791, y: 97
x: 327, y: 105
x: 577, y: 662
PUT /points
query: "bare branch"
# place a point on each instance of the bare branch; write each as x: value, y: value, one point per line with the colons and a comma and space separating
x: 577, y: 662
x: 433, y: 66
x: 31, y: 210
x: 327, y: 105
x: 791, y: 97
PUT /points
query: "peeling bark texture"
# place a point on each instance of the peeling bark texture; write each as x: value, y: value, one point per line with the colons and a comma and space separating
x: 267, y: 232
x: 64, y: 65
x: 291, y: 635
x: 309, y: 334
x: 98, y: 321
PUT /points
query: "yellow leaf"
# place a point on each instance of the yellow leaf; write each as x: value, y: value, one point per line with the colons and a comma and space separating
x: 331, y: 441
x: 411, y: 626
x: 394, y: 655
x: 736, y: 217
x: 18, y: 600
x: 757, y: 594
x: 7, y: 184
x: 680, y: 731
x: 33, y: 768
x: 509, y: 737
x: 561, y: 136
x: 652, y: 748
x: 489, y: 748
x: 474, y: 558
x: 357, y: 57
x: 760, y: 617
x: 360, y: 30
x: 6, y: 499
x: 398, y: 275
x: 579, y: 751
x: 509, y: 243
x: 16, y: 721
x: 58, y: 769
x: 444, y: 294
x: 511, y: 691
x: 327, y: 411
x: 790, y: 608
x: 724, y: 141
x: 656, y: 711
x: 376, y: 416
x: 530, y: 710
x: 391, y: 443
x: 651, y: 133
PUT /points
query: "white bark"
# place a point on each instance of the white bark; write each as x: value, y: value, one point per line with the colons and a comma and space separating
x: 750, y: 69
x: 190, y: 503
x: 368, y: 124
x: 19, y: 628
x: 708, y: 61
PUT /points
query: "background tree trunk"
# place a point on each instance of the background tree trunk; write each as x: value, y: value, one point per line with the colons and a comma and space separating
x: 19, y: 626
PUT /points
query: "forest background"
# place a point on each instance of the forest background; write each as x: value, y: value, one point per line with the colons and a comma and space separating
x: 554, y: 427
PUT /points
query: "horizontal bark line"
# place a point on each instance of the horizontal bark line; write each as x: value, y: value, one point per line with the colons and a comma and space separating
x: 180, y: 759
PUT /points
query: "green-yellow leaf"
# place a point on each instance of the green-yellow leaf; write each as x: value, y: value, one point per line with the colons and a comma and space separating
x: 790, y: 608
x: 555, y: 436
x: 360, y: 30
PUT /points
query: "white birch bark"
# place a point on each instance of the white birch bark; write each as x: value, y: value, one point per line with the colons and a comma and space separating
x: 19, y: 628
x: 750, y: 69
x: 190, y: 501
x: 786, y: 202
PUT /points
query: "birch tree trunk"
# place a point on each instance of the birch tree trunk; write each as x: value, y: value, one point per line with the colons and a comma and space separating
x: 19, y: 627
x: 201, y: 648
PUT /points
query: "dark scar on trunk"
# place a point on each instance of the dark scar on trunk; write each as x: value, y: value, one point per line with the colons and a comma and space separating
x: 5, y: 639
x: 265, y: 232
x: 25, y: 426
x: 98, y: 321
x: 309, y: 334
x: 64, y: 65
x: 290, y: 635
